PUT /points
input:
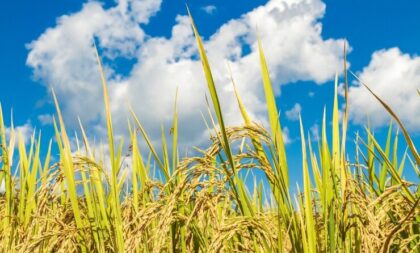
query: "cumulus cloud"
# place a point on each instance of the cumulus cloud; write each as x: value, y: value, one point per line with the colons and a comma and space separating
x: 294, y: 113
x: 62, y: 58
x: 45, y: 119
x: 395, y: 77
x: 25, y: 131
x: 286, y: 136
x: 314, y: 131
x: 209, y: 9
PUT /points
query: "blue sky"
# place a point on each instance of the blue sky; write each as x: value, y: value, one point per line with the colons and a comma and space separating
x: 144, y: 53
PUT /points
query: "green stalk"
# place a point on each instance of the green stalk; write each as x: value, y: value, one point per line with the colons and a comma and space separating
x: 309, y: 219
x: 68, y: 169
x: 115, y: 199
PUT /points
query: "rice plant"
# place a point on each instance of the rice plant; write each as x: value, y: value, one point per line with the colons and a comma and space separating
x: 202, y: 203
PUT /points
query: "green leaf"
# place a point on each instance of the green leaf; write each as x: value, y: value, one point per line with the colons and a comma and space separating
x: 309, y: 219
x: 276, y: 130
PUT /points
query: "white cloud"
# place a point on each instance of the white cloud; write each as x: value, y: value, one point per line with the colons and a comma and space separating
x: 140, y: 11
x: 45, y: 119
x: 314, y: 131
x: 286, y: 136
x: 25, y: 131
x: 294, y: 113
x: 209, y: 9
x: 395, y: 78
x: 62, y: 58
x: 341, y: 89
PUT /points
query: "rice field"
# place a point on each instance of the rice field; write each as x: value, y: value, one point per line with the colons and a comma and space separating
x: 80, y: 203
